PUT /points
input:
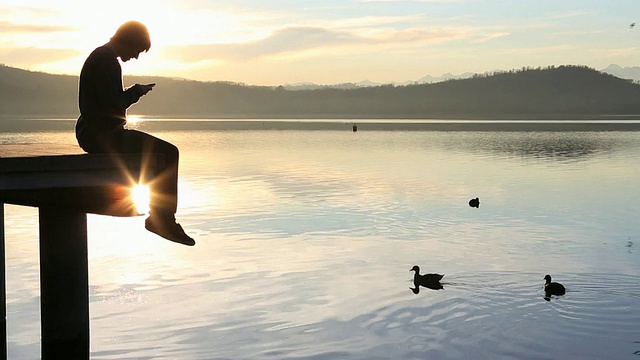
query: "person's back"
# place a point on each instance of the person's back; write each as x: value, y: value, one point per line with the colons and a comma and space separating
x: 96, y: 90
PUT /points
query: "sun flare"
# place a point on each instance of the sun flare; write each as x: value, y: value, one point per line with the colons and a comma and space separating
x: 141, y: 195
x: 134, y: 119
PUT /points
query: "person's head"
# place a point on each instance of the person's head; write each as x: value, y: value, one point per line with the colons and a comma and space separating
x: 131, y: 39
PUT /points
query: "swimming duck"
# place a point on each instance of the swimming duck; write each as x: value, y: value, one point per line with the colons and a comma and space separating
x: 552, y: 288
x: 474, y: 202
x: 425, y: 279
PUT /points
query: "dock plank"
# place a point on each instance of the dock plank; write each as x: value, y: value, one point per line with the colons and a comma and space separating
x: 38, y: 149
x: 91, y: 183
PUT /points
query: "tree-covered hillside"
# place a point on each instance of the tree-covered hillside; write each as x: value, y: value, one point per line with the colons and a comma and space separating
x: 564, y: 91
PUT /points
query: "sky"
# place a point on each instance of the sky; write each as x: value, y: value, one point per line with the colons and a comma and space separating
x: 265, y: 42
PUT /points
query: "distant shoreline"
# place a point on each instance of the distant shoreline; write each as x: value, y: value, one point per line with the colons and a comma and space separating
x: 334, y: 117
x: 30, y: 125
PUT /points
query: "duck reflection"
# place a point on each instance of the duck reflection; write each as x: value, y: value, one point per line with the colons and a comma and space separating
x: 432, y: 286
x: 430, y: 281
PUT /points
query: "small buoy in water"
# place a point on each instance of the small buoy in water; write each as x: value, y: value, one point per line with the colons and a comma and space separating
x: 474, y: 203
x: 355, y: 127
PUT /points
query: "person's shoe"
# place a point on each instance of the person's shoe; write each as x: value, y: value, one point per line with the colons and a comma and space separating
x: 168, y: 229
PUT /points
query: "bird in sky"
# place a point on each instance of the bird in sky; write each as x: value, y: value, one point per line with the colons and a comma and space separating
x: 632, y: 26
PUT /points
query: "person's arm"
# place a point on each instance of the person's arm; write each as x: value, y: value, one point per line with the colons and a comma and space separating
x: 109, y: 89
x: 135, y: 92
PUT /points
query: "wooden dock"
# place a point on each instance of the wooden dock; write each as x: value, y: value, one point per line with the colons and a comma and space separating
x: 65, y: 184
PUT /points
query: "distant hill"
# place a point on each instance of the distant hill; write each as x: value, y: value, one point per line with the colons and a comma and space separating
x: 428, y: 79
x: 631, y: 73
x: 444, y: 77
x: 552, y: 92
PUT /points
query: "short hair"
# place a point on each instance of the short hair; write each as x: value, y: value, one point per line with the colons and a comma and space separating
x: 134, y: 33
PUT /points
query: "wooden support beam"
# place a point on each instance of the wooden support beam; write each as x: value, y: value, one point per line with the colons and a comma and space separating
x: 65, y: 188
x: 64, y: 284
x: 3, y: 286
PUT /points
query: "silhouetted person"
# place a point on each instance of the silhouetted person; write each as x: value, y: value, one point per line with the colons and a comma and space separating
x: 103, y: 104
x: 355, y: 127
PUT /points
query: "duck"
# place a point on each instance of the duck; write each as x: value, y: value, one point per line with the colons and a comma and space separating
x: 425, y: 279
x: 553, y: 288
x: 474, y: 202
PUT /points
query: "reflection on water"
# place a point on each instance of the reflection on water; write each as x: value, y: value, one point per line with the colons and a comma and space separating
x: 559, y: 146
x: 305, y: 238
x: 429, y: 285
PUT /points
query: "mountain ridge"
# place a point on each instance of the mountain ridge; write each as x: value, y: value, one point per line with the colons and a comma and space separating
x: 560, y: 92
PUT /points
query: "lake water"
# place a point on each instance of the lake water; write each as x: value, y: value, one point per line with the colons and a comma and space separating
x: 305, y: 240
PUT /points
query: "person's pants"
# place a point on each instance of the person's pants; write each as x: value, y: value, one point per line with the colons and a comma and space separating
x: 164, y: 185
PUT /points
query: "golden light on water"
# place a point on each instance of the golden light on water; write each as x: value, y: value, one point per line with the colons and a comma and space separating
x: 141, y: 195
x: 134, y: 119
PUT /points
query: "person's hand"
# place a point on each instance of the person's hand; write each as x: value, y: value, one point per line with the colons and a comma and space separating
x: 144, y: 89
x: 147, y: 88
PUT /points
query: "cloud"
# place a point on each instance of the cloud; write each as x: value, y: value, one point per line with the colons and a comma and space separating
x: 569, y: 15
x: 614, y: 53
x: 418, y: 1
x: 369, y: 21
x: 537, y: 50
x: 29, y: 57
x: 491, y: 36
x: 9, y: 27
x: 284, y: 40
x: 12, y: 11
x: 319, y: 40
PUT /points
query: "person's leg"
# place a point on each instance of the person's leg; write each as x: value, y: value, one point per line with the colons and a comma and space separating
x: 163, y: 186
